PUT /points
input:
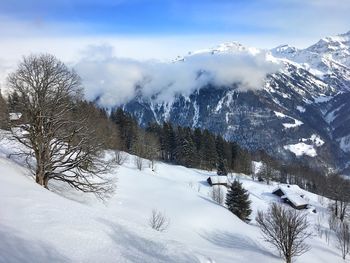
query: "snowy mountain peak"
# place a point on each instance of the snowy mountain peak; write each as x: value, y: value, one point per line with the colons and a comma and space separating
x: 221, y: 48
x: 224, y: 48
x: 284, y: 49
x: 230, y: 47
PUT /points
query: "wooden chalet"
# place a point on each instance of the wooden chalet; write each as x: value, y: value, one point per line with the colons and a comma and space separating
x: 218, y: 180
x: 290, y: 197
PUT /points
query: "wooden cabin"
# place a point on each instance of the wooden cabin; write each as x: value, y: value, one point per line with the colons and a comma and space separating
x: 218, y: 180
x: 291, y: 197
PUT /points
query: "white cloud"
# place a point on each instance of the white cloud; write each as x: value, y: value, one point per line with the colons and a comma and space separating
x: 115, y: 79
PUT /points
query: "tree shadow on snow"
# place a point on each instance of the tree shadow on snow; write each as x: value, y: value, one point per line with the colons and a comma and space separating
x: 204, y: 182
x: 239, y: 242
x: 135, y: 248
x: 15, y: 249
x: 209, y: 200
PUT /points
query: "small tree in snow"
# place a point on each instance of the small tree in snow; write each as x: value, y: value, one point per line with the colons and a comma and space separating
x: 217, y: 194
x: 120, y: 157
x: 343, y: 238
x: 138, y: 162
x: 286, y: 229
x: 158, y: 221
x: 237, y: 201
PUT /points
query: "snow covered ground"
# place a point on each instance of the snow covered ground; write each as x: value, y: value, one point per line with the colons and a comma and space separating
x: 62, y: 225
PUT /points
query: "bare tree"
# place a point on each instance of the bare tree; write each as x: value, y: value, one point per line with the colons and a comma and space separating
x: 4, y: 113
x: 342, y: 234
x: 286, y: 229
x: 120, y: 157
x: 339, y: 190
x: 266, y: 172
x: 152, y: 149
x: 217, y: 194
x: 158, y: 221
x: 139, y: 149
x: 138, y: 162
x: 63, y: 146
x: 333, y: 222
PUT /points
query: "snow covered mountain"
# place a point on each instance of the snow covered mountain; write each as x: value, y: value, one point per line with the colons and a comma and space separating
x: 62, y: 225
x: 293, y: 106
x: 328, y: 59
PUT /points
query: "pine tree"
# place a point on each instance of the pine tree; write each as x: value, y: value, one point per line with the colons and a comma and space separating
x: 168, y: 142
x: 221, y: 169
x: 208, y: 150
x: 185, y: 148
x: 128, y: 128
x: 221, y: 156
x: 237, y: 201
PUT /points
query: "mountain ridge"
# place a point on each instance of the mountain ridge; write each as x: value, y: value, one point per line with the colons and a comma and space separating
x: 304, y: 92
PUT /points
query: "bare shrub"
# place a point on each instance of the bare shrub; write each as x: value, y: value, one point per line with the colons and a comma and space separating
x: 342, y: 234
x: 333, y: 222
x: 318, y: 226
x: 120, y: 157
x: 327, y: 235
x: 286, y: 229
x: 138, y: 162
x: 217, y: 194
x: 158, y: 221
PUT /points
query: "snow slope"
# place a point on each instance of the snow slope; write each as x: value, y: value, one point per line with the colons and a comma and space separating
x: 61, y: 225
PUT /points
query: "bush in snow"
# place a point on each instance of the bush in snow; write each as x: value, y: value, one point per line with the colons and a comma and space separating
x: 217, y: 194
x: 342, y: 234
x: 158, y: 221
x: 120, y: 157
x: 138, y: 162
x: 237, y: 201
x: 286, y: 229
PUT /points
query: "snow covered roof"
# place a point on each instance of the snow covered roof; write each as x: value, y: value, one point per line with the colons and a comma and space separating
x: 294, y: 197
x: 218, y: 179
x: 14, y: 116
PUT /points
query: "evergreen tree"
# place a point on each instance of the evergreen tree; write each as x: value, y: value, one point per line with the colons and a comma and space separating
x: 221, y: 156
x: 168, y: 142
x: 185, y: 148
x: 128, y: 128
x: 197, y: 140
x: 237, y: 201
x: 221, y: 169
x: 234, y: 155
x: 208, y: 150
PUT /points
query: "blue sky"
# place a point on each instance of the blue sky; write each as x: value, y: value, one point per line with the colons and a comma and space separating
x: 148, y: 16
x: 111, y: 42
x: 154, y: 17
x: 164, y: 28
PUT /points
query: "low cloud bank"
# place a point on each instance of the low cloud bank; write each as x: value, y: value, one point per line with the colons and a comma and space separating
x: 117, y: 80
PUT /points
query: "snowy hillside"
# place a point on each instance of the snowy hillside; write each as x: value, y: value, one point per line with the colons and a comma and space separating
x: 61, y: 225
